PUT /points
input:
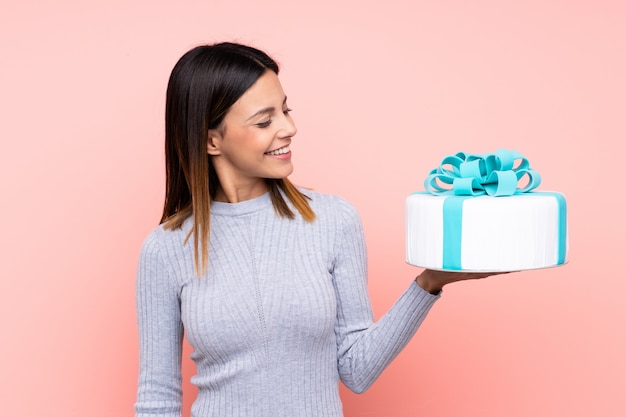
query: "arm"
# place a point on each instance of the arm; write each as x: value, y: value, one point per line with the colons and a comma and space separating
x: 159, y: 390
x: 366, y: 348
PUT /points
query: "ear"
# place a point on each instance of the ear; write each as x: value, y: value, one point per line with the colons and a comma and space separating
x: 214, y: 142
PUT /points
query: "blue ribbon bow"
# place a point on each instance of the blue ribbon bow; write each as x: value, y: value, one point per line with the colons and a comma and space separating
x: 496, y: 174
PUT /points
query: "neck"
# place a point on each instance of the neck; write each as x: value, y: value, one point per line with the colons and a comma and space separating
x: 236, y: 194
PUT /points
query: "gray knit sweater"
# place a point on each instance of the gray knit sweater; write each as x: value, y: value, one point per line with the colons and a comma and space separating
x: 281, y: 317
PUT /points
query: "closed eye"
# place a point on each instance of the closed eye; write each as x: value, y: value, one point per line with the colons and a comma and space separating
x: 269, y: 121
x: 264, y: 124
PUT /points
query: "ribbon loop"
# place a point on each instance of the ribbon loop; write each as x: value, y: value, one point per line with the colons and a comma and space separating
x: 472, y: 169
x: 496, y: 174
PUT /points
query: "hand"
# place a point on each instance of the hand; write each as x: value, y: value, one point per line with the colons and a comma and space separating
x: 433, y: 281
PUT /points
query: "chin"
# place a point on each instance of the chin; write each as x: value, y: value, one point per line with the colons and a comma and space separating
x: 277, y: 177
x: 281, y: 175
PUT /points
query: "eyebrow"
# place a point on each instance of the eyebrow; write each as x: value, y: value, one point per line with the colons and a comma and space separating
x: 265, y: 110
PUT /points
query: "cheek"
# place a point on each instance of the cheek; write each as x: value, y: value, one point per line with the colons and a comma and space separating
x: 236, y: 142
x: 259, y: 142
x: 247, y: 144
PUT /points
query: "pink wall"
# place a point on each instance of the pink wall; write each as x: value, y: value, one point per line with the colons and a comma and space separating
x: 379, y: 95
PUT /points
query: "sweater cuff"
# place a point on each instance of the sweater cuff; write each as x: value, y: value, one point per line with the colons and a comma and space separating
x: 420, y: 292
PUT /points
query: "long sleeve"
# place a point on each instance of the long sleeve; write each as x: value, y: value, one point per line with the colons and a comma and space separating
x: 160, y: 335
x: 366, y: 348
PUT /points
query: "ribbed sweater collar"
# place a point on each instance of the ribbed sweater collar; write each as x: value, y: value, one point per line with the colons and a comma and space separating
x: 241, y: 208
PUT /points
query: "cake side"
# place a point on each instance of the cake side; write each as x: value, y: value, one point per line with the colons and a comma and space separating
x: 518, y: 232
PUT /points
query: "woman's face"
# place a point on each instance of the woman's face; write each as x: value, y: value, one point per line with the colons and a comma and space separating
x: 253, y: 142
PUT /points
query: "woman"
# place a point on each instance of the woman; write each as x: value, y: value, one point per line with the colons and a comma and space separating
x: 267, y: 280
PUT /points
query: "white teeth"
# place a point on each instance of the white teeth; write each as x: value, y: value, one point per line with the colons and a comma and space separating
x: 278, y: 151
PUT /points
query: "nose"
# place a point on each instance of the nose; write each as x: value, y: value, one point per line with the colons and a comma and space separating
x: 288, y: 127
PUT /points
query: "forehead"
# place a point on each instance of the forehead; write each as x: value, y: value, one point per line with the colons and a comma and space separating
x: 265, y: 92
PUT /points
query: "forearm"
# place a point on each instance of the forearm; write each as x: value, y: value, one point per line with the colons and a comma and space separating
x: 375, y: 347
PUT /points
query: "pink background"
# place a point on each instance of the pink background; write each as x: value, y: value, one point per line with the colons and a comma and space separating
x: 380, y: 94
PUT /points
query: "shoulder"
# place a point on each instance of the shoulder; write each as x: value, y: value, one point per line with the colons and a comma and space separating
x: 165, y: 258
x: 163, y: 243
x: 332, y: 206
x: 324, y: 201
x: 151, y: 249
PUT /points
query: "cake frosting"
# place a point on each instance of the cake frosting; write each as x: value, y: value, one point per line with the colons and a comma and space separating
x: 474, y: 216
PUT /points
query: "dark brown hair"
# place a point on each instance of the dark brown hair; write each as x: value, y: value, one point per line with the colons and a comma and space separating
x: 204, y: 84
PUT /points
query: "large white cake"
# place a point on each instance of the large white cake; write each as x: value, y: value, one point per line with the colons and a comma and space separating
x: 485, y: 233
x: 474, y: 217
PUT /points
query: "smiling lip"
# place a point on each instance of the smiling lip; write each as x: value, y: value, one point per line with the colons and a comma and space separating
x: 279, y: 152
